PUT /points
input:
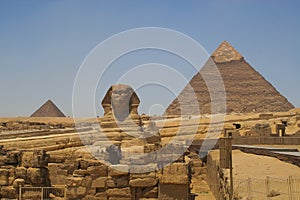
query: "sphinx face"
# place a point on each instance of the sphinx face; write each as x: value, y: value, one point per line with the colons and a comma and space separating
x: 120, y: 99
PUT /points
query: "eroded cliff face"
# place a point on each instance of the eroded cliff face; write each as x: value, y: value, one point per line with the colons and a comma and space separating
x: 245, y: 89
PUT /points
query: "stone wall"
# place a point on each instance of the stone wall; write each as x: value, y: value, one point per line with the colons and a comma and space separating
x: 19, y: 168
x: 88, y: 178
x: 10, y: 125
x: 217, y: 179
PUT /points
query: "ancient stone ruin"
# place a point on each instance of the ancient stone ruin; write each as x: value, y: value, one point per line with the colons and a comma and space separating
x: 123, y: 160
x: 124, y: 155
x: 246, y: 90
x: 48, y: 109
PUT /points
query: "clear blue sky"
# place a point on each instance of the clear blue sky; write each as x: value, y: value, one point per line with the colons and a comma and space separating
x: 43, y: 43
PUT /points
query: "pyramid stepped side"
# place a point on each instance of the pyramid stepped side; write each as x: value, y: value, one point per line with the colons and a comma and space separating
x: 49, y: 109
x: 246, y: 90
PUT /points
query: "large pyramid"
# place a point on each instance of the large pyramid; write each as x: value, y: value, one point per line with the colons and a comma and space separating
x: 48, y: 109
x: 246, y: 90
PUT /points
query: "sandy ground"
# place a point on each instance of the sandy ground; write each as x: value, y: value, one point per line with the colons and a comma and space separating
x: 255, y: 166
x: 258, y: 168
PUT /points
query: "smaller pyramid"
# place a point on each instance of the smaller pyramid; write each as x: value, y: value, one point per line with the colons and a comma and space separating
x: 48, y: 109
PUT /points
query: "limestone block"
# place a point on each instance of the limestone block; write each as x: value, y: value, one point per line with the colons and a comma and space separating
x: 74, y: 181
x: 97, y: 171
x: 83, y: 153
x: 126, y: 135
x: 87, y: 182
x: 20, y: 172
x: 36, y: 175
x: 81, y: 191
x: 71, y: 193
x: 151, y: 167
x: 8, y: 192
x: 62, y: 172
x: 99, y: 182
x: 4, y: 174
x: 150, y: 157
x: 31, y: 195
x: 69, y: 165
x: 119, y: 198
x: 3, y: 160
x: 13, y: 157
x: 152, y: 193
x: 57, y: 158
x: 143, y: 182
x: 132, y: 143
x: 174, y: 179
x: 85, y: 163
x: 119, y: 192
x: 118, y: 170
x: 151, y: 147
x: 176, y: 148
x: 57, y: 173
x: 36, y: 158
x: 143, y: 175
x: 169, y: 158
x: 133, y: 149
x: 100, y: 196
x: 113, y: 136
x: 58, y: 179
x: 91, y: 191
x: 170, y: 192
x: 80, y: 172
x: 145, y: 193
x: 118, y: 181
x: 18, y: 182
x: 152, y: 138
x: 175, y: 168
x: 92, y: 197
x: 168, y: 132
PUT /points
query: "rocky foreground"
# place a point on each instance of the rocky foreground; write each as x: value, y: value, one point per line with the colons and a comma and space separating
x: 51, y: 152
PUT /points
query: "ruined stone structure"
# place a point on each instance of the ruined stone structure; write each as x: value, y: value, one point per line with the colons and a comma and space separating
x: 260, y: 130
x: 48, y: 109
x: 124, y: 160
x: 122, y: 125
x: 22, y: 167
x: 246, y: 90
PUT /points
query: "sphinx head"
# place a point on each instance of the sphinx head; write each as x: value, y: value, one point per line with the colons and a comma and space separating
x: 121, y: 101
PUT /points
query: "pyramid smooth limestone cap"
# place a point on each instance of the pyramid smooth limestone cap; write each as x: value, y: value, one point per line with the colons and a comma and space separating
x: 226, y: 53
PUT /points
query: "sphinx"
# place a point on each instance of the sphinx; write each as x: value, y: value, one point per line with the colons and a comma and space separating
x: 120, y: 102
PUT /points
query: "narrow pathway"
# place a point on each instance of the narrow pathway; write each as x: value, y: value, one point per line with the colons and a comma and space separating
x: 199, y: 184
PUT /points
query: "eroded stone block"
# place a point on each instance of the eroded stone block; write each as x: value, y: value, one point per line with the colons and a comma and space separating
x: 118, y: 170
x: 99, y: 182
x: 143, y: 182
x: 4, y: 174
x: 119, y: 192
